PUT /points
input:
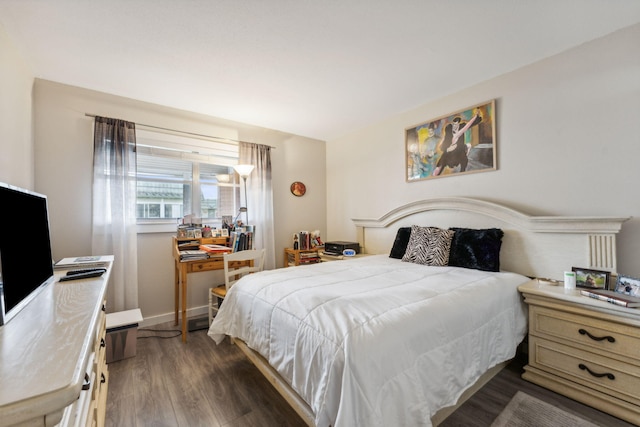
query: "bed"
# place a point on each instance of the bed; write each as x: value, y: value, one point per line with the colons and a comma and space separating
x: 387, y: 340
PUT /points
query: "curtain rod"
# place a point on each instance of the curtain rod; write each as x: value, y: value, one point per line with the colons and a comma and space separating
x: 189, y: 133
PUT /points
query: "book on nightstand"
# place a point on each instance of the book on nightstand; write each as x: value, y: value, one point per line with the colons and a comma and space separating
x: 612, y: 297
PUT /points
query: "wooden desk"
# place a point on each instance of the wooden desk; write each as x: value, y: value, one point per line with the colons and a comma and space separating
x: 183, y: 268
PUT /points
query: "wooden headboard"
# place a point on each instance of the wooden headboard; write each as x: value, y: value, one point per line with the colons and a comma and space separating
x: 536, y: 246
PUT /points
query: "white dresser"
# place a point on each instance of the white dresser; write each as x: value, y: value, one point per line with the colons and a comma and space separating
x: 52, y: 357
x: 585, y: 349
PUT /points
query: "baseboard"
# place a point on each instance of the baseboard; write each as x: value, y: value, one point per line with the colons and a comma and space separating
x: 169, y: 317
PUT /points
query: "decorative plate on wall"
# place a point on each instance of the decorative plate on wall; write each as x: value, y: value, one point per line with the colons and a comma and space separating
x: 298, y: 189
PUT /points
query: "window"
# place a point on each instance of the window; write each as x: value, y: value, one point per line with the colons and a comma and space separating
x: 178, y: 176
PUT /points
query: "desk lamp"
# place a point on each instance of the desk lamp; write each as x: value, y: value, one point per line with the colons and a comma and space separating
x: 244, y: 171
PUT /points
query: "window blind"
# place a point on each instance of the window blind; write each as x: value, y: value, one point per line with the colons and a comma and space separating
x: 189, y: 149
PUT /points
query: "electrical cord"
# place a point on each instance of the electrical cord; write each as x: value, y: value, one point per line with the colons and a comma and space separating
x: 179, y: 333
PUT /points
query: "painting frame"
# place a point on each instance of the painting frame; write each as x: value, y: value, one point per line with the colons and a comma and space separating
x: 628, y: 285
x: 442, y: 147
x: 588, y: 278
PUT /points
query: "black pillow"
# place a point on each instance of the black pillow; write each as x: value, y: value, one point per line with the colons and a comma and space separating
x: 477, y: 249
x: 400, y: 243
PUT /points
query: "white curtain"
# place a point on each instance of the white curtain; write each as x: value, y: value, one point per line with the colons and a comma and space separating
x: 260, y: 198
x: 114, y: 208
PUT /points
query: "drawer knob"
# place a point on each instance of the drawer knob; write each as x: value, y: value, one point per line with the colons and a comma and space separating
x: 593, y: 337
x: 86, y: 385
x: 608, y: 375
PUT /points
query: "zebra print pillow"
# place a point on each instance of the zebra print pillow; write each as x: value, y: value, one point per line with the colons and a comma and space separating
x: 428, y: 246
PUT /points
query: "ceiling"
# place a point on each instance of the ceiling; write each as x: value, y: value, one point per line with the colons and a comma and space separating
x: 314, y: 68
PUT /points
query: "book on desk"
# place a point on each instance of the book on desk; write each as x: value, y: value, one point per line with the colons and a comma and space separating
x: 194, y: 249
x: 188, y: 244
x: 190, y: 255
x: 215, y: 249
x: 241, y: 240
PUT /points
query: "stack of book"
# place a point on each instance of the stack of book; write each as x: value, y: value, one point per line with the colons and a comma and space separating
x: 612, y: 297
x: 191, y: 255
x: 187, y: 245
x: 84, y: 262
x: 215, y: 249
x: 309, y: 258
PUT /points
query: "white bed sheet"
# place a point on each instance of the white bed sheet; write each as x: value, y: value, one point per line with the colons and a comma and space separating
x: 375, y: 341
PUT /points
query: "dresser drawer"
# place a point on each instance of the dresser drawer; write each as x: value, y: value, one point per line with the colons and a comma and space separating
x: 600, y: 336
x: 618, y: 379
x: 213, y: 264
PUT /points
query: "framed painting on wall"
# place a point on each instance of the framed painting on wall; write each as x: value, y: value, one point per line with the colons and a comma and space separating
x: 458, y: 143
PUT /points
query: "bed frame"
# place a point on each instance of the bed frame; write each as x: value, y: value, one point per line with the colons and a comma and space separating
x: 535, y: 246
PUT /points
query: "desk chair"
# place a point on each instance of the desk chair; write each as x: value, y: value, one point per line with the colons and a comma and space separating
x: 234, y: 268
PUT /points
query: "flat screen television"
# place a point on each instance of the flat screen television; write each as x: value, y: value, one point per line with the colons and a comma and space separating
x: 26, y: 263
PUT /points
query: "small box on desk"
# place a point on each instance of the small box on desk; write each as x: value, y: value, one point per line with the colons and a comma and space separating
x: 122, y: 334
x: 336, y: 248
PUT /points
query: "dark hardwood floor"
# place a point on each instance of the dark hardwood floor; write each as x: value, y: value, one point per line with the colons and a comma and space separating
x: 172, y: 384
x: 484, y: 406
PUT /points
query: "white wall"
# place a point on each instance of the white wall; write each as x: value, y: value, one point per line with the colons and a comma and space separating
x: 63, y: 162
x: 298, y: 159
x: 567, y: 144
x: 16, y: 136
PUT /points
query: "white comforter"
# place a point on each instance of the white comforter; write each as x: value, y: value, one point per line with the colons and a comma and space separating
x: 375, y: 341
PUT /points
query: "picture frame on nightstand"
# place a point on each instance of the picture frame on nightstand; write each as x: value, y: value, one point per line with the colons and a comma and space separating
x: 628, y: 286
x: 591, y: 279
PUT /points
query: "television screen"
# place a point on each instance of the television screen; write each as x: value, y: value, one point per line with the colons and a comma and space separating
x: 26, y: 263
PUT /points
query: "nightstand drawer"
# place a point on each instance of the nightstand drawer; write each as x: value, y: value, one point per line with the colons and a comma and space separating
x: 618, y: 379
x: 597, y: 334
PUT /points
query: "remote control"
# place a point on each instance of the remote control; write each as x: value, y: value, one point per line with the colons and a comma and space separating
x: 82, y: 275
x: 85, y: 270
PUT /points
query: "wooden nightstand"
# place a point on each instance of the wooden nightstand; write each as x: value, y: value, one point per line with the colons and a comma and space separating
x: 585, y: 349
x: 295, y: 257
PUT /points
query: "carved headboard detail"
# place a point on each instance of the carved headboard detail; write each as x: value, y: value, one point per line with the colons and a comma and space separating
x: 536, y: 246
